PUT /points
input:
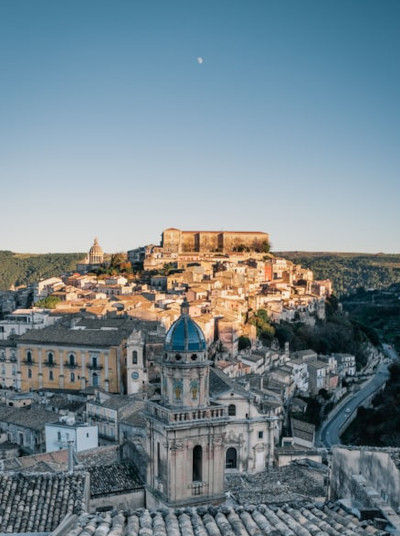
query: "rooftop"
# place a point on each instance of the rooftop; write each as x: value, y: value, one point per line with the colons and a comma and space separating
x: 278, y: 485
x: 38, y: 502
x: 86, y: 332
x: 33, y: 417
x: 113, y: 478
x: 288, y: 520
x: 115, y: 402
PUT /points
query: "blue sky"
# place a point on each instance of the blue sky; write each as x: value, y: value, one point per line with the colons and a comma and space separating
x: 109, y: 126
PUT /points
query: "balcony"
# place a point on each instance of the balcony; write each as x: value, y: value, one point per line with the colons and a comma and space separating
x: 69, y: 365
x: 13, y: 359
x: 198, y: 488
x: 93, y: 366
x: 49, y: 364
x: 28, y: 362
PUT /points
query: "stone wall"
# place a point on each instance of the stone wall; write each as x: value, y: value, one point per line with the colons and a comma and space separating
x: 376, y: 467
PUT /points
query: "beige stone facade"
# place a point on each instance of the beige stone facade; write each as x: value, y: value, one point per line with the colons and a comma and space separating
x: 177, y: 241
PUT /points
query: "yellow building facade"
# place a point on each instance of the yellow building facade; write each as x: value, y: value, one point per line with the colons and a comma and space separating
x: 74, y: 356
x: 54, y: 367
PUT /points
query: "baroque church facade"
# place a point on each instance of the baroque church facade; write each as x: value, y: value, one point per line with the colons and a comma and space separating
x: 193, y: 438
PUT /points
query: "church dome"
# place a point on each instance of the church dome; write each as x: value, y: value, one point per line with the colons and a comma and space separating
x: 96, y: 254
x: 185, y: 335
x: 96, y: 248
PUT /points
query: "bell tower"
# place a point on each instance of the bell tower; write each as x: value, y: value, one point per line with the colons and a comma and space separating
x: 185, y: 368
x: 185, y: 432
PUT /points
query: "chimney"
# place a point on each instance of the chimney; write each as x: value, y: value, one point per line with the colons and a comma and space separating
x: 71, y: 456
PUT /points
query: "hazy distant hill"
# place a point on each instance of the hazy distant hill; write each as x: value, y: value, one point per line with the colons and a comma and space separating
x: 25, y: 268
x: 348, y: 271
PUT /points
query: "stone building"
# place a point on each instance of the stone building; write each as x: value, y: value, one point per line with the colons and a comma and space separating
x: 8, y: 363
x: 250, y: 432
x: 177, y: 241
x: 185, y: 431
x: 82, y: 353
x: 107, y: 413
x: 26, y: 427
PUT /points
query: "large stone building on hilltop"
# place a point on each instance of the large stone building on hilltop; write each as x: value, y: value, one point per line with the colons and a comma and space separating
x: 177, y: 241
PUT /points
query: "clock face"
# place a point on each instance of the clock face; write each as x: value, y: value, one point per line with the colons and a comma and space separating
x: 135, y: 375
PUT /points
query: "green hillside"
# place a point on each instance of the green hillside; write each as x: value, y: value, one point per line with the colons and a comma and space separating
x: 349, y: 271
x: 24, y: 268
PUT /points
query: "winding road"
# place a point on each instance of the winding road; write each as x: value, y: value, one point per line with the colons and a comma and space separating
x: 329, y: 434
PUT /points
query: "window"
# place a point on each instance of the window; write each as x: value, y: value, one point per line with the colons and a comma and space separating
x: 72, y: 376
x: 197, y: 463
x: 87, y: 434
x: 260, y: 435
x: 194, y: 357
x: 50, y: 358
x: 231, y: 410
x: 94, y: 362
x: 178, y: 357
x: 231, y: 458
x: 134, y: 357
x: 51, y: 375
x: 59, y: 436
x: 29, y: 356
x: 29, y: 373
x: 95, y: 380
x: 71, y: 359
x: 158, y: 461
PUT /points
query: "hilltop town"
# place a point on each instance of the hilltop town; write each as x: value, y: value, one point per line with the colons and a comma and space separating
x: 154, y: 379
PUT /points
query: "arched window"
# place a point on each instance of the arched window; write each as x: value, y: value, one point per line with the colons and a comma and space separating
x: 29, y: 356
x: 194, y: 357
x: 50, y: 358
x: 51, y: 375
x: 231, y: 410
x: 197, y: 463
x: 178, y: 357
x: 71, y: 359
x: 72, y: 376
x: 231, y: 458
x: 29, y: 373
x: 134, y: 357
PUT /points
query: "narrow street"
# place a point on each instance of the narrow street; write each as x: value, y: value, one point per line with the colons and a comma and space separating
x: 329, y: 434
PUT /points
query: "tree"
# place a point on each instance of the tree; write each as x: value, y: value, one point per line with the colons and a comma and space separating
x: 244, y: 342
x: 50, y: 302
x: 261, y: 320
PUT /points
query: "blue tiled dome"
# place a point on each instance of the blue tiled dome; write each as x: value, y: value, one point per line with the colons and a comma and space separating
x: 185, y: 335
